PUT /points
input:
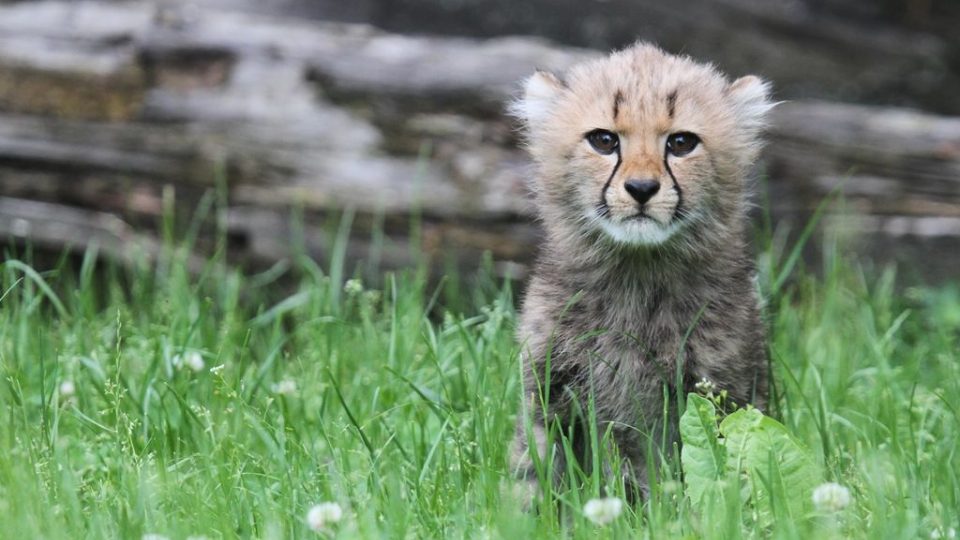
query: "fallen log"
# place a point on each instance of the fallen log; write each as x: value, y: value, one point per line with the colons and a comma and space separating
x: 279, y: 114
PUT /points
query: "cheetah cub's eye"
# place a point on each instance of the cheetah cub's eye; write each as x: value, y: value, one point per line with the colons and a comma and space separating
x: 603, y: 141
x: 681, y: 144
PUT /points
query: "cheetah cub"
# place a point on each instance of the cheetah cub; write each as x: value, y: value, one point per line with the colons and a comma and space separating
x: 644, y: 284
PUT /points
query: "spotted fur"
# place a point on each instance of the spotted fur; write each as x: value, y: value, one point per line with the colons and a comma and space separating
x: 631, y: 305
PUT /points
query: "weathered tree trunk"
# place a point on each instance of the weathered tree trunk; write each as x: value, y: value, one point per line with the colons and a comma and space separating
x: 102, y: 106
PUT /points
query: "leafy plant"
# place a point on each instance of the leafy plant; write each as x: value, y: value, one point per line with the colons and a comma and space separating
x: 750, y: 459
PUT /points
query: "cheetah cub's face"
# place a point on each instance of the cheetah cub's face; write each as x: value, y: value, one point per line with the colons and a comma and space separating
x: 642, y: 145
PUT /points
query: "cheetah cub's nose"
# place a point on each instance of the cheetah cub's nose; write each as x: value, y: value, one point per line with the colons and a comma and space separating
x: 642, y: 190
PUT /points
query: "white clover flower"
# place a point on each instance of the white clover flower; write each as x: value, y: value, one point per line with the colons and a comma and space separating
x: 286, y: 387
x: 603, y: 511
x: 323, y: 514
x: 67, y: 389
x: 191, y: 359
x: 194, y: 361
x: 831, y: 497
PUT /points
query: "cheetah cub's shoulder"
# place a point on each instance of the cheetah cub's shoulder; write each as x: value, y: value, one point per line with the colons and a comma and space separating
x: 644, y: 285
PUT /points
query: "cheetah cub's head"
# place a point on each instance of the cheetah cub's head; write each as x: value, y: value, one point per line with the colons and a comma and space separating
x: 642, y: 145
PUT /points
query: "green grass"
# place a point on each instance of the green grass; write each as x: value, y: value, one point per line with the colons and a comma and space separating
x: 403, y: 409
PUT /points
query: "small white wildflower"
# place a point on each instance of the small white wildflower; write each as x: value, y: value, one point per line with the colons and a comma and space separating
x: 194, y: 361
x: 353, y: 287
x: 217, y: 369
x: 831, y: 497
x: 603, y: 511
x: 191, y: 359
x: 705, y: 386
x: 323, y: 514
x: 67, y: 389
x: 285, y: 387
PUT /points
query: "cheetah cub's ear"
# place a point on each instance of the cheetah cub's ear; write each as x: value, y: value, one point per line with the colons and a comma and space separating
x: 751, y: 101
x: 540, y: 92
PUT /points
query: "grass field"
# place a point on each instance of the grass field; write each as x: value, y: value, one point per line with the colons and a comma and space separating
x: 154, y: 402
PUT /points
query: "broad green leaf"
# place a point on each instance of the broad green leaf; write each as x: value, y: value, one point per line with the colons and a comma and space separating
x: 779, y: 471
x: 703, y: 456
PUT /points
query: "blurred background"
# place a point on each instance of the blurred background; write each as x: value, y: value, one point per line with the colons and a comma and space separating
x: 279, y: 122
